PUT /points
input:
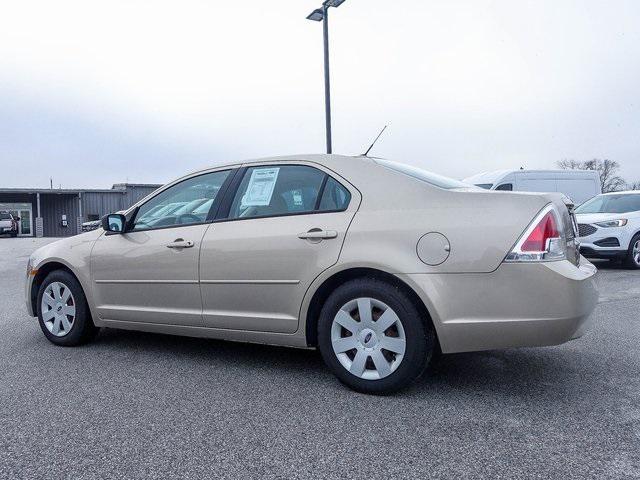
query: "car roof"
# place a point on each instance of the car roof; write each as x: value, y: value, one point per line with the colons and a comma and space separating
x: 328, y: 160
x: 624, y: 192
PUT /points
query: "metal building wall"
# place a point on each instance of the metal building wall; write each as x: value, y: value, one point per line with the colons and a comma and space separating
x: 52, y: 207
x: 20, y: 198
x: 102, y: 203
x: 137, y: 192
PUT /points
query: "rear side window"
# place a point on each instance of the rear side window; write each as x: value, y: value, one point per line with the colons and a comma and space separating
x: 268, y: 191
x: 334, y: 197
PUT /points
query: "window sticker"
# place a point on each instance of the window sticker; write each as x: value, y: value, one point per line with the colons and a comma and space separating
x: 297, y: 198
x: 260, y: 188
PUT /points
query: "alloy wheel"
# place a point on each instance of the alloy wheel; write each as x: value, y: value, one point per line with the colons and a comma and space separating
x: 368, y: 338
x: 58, y: 309
x: 636, y: 252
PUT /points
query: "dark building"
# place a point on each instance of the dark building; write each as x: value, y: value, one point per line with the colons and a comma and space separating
x: 61, y: 212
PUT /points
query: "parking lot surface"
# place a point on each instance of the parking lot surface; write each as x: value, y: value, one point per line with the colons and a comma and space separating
x: 140, y: 405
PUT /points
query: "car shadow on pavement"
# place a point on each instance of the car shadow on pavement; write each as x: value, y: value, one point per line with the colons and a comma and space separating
x: 609, y: 265
x: 249, y: 354
x: 513, y: 371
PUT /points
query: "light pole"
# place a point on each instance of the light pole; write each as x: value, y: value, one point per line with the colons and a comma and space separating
x: 322, y: 15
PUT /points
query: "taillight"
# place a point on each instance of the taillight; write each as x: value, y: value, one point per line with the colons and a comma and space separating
x: 543, y: 240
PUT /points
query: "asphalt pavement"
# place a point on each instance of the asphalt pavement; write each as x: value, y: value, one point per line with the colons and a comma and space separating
x: 140, y: 405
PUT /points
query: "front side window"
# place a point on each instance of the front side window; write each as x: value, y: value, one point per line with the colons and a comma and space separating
x: 508, y: 187
x: 185, y: 203
x: 268, y: 191
x: 622, y: 203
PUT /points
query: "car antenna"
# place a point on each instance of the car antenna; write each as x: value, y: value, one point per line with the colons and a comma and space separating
x: 374, y: 142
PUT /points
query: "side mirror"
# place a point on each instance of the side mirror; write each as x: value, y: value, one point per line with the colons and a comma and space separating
x: 114, y: 222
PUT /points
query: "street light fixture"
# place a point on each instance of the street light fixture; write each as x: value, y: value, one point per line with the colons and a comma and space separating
x: 322, y: 15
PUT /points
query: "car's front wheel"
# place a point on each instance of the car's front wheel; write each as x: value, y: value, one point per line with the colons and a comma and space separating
x: 633, y: 255
x: 63, y: 312
x: 373, y: 337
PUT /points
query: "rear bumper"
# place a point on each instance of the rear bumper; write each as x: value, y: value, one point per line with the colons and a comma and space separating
x: 517, y: 305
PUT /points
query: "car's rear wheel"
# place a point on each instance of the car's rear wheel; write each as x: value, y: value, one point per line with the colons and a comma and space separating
x: 633, y: 255
x: 372, y: 336
x: 63, y: 312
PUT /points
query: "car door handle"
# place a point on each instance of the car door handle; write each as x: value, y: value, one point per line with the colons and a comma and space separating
x: 180, y: 243
x: 317, y: 234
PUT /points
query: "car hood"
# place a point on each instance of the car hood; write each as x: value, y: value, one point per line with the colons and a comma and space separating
x: 66, y: 250
x: 598, y: 217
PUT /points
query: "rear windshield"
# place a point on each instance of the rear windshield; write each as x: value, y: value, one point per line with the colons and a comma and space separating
x: 428, y: 177
x: 622, y: 203
x: 5, y: 216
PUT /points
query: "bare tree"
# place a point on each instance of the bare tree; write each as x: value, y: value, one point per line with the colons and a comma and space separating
x: 570, y: 164
x: 633, y: 186
x: 610, y: 181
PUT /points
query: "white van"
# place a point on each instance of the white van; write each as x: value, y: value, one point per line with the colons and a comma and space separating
x: 578, y: 185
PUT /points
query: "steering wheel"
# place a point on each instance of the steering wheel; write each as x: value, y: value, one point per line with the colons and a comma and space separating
x: 190, y: 216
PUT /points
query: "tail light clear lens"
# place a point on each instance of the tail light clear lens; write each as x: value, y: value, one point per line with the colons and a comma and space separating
x: 543, y: 240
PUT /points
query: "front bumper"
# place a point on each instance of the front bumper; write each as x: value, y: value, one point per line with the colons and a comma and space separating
x: 608, y: 243
x: 591, y: 251
x: 27, y: 295
x: 517, y: 305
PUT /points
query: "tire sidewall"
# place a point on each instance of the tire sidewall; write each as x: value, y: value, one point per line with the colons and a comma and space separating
x: 630, y: 261
x: 419, y: 336
x: 82, y: 323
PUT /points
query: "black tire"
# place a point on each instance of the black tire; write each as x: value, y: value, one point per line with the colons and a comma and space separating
x: 14, y: 234
x: 420, y: 338
x: 82, y: 328
x: 629, y: 261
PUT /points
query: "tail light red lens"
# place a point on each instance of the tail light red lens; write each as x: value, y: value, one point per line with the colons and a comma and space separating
x: 544, y: 240
x: 546, y: 229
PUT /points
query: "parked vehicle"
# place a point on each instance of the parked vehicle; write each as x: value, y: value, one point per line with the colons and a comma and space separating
x: 8, y: 224
x: 578, y: 185
x: 91, y: 225
x: 375, y: 263
x: 609, y: 227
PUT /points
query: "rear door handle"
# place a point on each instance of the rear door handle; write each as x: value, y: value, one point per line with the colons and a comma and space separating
x: 317, y: 234
x: 179, y: 243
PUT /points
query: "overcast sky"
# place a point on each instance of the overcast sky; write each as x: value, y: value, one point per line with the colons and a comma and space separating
x: 93, y: 93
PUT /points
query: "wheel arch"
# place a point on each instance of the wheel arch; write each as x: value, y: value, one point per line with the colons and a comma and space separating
x: 336, y: 279
x: 44, y: 270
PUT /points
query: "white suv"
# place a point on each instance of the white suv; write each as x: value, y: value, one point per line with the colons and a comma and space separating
x: 609, y: 227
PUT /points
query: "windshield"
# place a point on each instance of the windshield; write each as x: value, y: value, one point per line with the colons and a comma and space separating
x: 428, y: 177
x: 5, y: 216
x: 622, y: 203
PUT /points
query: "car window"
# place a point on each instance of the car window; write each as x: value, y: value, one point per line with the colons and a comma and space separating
x: 486, y: 186
x: 505, y: 186
x: 334, y: 196
x: 622, y: 203
x: 5, y: 216
x: 185, y: 203
x: 277, y: 190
